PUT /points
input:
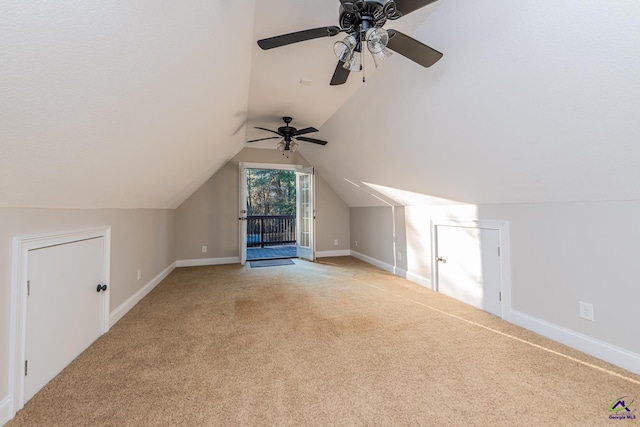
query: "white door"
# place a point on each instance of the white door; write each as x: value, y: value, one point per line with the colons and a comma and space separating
x: 242, y: 214
x: 468, y: 266
x: 64, y: 308
x: 305, y: 214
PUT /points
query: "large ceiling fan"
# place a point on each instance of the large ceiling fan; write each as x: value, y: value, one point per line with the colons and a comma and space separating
x: 288, y: 136
x: 363, y: 20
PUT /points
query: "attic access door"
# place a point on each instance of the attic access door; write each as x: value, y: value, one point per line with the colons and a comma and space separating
x: 468, y: 265
x: 65, y: 312
x: 305, y: 214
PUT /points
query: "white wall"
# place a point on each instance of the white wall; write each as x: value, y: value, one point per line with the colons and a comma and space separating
x: 140, y: 239
x: 210, y: 216
x: 561, y: 253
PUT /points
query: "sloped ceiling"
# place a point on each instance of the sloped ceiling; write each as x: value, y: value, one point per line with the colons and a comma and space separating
x: 294, y: 80
x: 136, y: 104
x: 532, y: 102
x: 119, y: 104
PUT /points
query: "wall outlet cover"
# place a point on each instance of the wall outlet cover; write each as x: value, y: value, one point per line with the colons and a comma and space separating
x: 586, y: 310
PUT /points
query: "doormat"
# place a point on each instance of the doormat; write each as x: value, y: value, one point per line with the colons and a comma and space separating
x: 270, y: 262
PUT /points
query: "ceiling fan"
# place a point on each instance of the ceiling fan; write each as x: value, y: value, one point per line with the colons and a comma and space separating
x: 363, y: 20
x: 288, y: 136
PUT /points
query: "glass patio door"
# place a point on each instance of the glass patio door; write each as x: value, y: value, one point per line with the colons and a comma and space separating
x: 305, y: 214
x: 242, y: 214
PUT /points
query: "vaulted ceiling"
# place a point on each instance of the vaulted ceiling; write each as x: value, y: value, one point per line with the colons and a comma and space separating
x: 136, y: 104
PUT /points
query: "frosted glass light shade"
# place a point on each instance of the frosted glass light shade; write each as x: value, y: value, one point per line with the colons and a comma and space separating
x: 378, y: 57
x: 377, y: 39
x: 354, y: 63
x: 344, y: 48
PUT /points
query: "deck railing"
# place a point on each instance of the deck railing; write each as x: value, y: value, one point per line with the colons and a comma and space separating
x: 271, y: 230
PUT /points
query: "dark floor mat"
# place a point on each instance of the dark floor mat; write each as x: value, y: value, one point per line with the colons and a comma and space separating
x: 270, y: 262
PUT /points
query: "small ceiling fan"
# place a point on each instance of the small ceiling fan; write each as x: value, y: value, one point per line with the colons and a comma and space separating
x: 288, y: 136
x: 363, y: 20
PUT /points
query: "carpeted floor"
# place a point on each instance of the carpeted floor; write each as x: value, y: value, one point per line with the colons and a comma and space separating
x: 337, y: 342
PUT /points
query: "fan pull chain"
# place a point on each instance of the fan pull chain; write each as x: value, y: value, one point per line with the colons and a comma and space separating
x: 362, y: 66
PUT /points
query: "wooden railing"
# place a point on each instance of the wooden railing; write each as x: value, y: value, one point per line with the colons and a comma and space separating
x: 271, y: 230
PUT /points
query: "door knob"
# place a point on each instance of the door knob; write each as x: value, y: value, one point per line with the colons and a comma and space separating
x: 442, y: 260
x: 101, y: 288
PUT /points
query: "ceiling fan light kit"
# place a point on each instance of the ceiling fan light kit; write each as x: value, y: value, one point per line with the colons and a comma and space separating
x: 349, y: 49
x: 363, y: 20
x: 282, y: 146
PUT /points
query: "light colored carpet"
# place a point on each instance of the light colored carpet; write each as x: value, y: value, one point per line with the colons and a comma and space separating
x: 337, y: 342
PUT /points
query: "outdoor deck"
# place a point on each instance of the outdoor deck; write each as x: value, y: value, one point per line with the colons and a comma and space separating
x: 271, y: 230
x: 271, y: 252
x: 271, y: 237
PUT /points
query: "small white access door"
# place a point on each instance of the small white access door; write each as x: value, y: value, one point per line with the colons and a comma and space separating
x: 468, y: 266
x: 64, y: 310
x: 305, y: 214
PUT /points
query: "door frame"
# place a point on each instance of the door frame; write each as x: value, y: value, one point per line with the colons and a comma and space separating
x: 242, y: 194
x: 18, y: 305
x: 505, y: 254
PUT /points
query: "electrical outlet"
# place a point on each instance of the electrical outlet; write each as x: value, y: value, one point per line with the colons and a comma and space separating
x: 356, y: 243
x: 204, y: 249
x: 139, y: 274
x: 335, y: 242
x: 586, y: 310
x: 399, y: 256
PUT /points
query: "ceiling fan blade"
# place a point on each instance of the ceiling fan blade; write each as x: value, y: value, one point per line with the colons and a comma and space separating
x: 413, y: 49
x: 263, y: 139
x: 268, y: 130
x: 315, y: 141
x: 305, y: 130
x: 340, y: 75
x: 298, y: 36
x: 405, y: 7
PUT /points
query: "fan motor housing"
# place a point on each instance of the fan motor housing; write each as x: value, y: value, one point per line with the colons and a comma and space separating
x: 373, y: 11
x: 286, y: 130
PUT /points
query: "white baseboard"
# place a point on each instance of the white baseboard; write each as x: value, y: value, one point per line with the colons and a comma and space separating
x: 420, y: 280
x: 412, y: 277
x: 207, y: 261
x: 123, y: 308
x: 326, y: 254
x: 6, y: 410
x: 236, y: 260
x: 369, y: 260
x: 586, y: 344
x: 400, y: 272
